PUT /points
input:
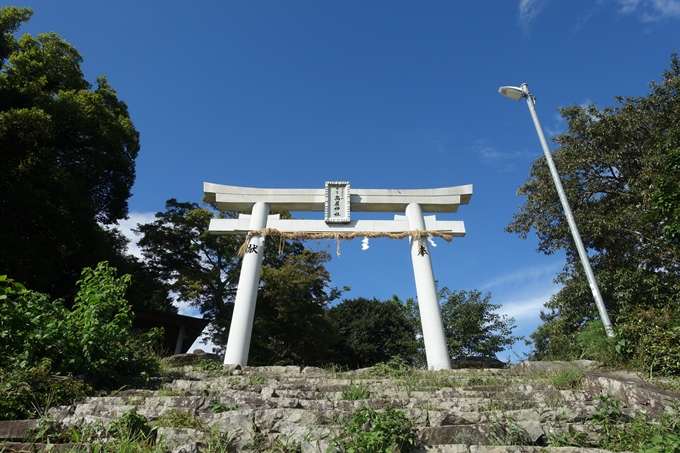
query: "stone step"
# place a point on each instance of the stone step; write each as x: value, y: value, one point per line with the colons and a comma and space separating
x: 466, y: 413
x: 154, y: 406
x: 464, y: 448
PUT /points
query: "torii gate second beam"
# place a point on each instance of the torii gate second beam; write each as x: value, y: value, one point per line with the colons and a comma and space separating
x: 412, y: 202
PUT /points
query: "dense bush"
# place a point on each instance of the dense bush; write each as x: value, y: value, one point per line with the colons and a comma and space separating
x: 26, y: 392
x: 647, y: 340
x: 95, y: 338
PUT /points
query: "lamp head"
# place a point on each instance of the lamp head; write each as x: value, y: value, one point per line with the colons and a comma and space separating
x: 514, y: 93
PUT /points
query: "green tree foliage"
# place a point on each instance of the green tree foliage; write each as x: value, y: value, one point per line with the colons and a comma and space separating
x: 291, y: 322
x: 202, y: 269
x: 667, y: 200
x: 373, y: 331
x: 618, y: 171
x: 471, y: 325
x: 95, y: 338
x: 68, y: 152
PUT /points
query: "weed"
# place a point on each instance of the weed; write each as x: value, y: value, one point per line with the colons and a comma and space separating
x: 219, y: 442
x: 593, y: 343
x: 507, y: 432
x: 435, y: 379
x: 29, y: 391
x: 218, y: 407
x: 266, y: 443
x: 258, y: 380
x: 169, y: 392
x: 608, y: 415
x: 47, y: 430
x: 618, y: 432
x: 356, y: 392
x: 131, y: 427
x: 396, y: 367
x: 567, y: 379
x: 138, y: 399
x: 369, y: 431
x: 553, y: 402
x: 175, y: 418
x: 570, y: 438
x: 212, y: 368
x: 479, y: 381
x: 334, y: 368
x: 495, y: 404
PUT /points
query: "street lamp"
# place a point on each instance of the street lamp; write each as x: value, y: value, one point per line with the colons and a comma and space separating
x: 517, y: 94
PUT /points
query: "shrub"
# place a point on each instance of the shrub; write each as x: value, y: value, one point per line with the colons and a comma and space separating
x: 131, y: 427
x: 592, y: 343
x: 649, y: 340
x: 95, y: 338
x: 396, y: 367
x: 26, y: 392
x: 370, y: 431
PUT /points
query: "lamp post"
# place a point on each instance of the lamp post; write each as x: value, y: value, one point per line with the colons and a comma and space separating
x: 517, y: 93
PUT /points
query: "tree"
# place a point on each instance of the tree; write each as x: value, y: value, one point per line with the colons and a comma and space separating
x: 199, y: 268
x: 291, y: 323
x: 612, y: 164
x: 471, y: 327
x: 373, y: 331
x: 667, y: 199
x: 202, y: 269
x: 68, y: 153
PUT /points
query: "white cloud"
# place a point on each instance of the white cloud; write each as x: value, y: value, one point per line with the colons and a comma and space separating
x: 525, y: 276
x: 628, y: 6
x: 528, y: 10
x: 522, y: 295
x: 650, y: 10
x: 526, y: 311
x: 126, y: 226
x: 183, y: 308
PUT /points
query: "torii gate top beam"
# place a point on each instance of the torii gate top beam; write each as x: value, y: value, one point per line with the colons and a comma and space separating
x: 234, y: 198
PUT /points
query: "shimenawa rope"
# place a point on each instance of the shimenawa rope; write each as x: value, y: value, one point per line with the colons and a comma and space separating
x: 417, y: 235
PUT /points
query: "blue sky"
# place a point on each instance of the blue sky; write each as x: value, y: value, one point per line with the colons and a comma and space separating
x: 384, y: 94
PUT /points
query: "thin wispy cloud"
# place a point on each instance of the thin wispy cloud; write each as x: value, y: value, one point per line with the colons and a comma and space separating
x: 502, y: 161
x: 525, y: 276
x: 434, y: 141
x: 528, y: 10
x: 526, y: 312
x: 650, y: 10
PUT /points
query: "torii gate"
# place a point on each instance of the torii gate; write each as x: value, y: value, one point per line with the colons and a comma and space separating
x: 337, y: 201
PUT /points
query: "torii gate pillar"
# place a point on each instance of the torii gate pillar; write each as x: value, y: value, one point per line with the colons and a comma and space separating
x: 428, y: 300
x: 241, y: 329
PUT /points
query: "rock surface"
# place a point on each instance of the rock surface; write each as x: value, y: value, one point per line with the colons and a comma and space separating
x: 461, y: 410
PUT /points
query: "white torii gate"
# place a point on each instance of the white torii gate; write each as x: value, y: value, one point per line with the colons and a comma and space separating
x: 337, y: 202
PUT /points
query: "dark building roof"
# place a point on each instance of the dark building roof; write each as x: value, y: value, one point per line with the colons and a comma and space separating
x: 146, y: 318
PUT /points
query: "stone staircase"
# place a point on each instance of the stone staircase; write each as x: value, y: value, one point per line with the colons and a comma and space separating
x: 294, y: 409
